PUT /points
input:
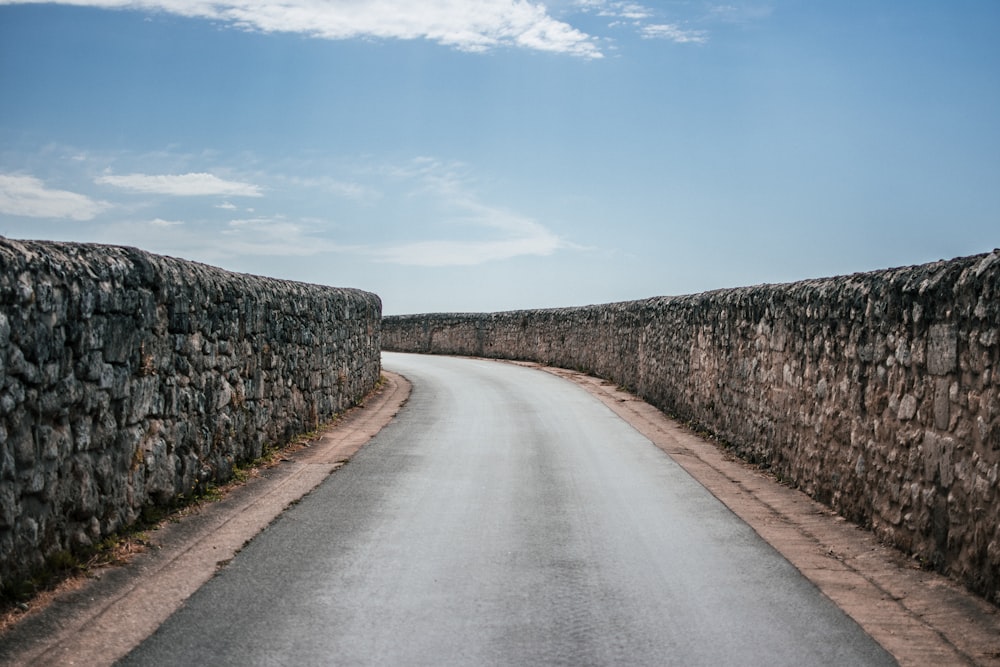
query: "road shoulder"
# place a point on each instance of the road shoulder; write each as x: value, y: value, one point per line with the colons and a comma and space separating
x: 108, y: 615
x: 920, y: 617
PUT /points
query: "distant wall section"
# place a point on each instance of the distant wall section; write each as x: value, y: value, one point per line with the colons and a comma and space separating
x: 877, y: 394
x: 127, y: 379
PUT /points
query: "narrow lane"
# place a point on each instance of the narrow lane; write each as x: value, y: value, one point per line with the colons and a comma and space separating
x: 506, y: 517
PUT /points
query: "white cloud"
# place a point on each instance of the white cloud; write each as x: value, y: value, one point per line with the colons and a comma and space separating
x: 349, y: 190
x: 674, y: 33
x: 489, y: 233
x: 516, y: 236
x: 461, y: 253
x: 27, y: 196
x: 467, y: 25
x: 741, y: 13
x: 623, y: 10
x: 339, y: 188
x: 181, y: 185
x: 639, y: 17
x: 160, y: 222
x: 226, y: 206
x: 273, y: 237
x: 209, y: 242
x: 254, y: 223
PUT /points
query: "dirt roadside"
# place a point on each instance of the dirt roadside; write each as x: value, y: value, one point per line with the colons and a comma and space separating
x: 920, y: 617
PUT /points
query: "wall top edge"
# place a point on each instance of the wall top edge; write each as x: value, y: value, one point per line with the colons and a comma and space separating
x: 53, y: 252
x: 916, y: 277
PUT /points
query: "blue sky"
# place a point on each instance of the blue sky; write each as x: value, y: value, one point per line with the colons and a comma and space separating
x: 501, y: 154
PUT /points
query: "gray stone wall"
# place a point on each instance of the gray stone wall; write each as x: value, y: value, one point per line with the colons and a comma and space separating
x: 128, y: 379
x: 875, y: 393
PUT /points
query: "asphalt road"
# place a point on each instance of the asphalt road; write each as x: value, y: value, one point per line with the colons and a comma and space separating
x: 506, y: 517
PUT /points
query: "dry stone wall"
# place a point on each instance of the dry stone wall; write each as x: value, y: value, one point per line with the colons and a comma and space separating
x: 127, y: 379
x: 877, y: 394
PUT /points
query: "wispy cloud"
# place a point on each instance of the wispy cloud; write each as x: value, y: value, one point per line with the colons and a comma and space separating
x: 221, y: 243
x: 27, y: 196
x: 180, y: 185
x: 469, y: 26
x: 274, y: 236
x: 456, y: 253
x: 496, y: 234
x: 622, y: 10
x: 343, y: 189
x: 516, y: 236
x: 160, y: 222
x: 422, y: 212
x: 741, y: 13
x: 644, y: 20
x: 674, y: 33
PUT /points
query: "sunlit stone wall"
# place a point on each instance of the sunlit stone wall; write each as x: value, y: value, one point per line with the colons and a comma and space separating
x: 128, y: 379
x: 877, y: 394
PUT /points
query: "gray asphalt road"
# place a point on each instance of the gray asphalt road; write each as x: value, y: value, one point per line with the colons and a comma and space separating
x: 507, y: 518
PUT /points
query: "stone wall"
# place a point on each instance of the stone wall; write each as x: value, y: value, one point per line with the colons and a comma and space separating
x: 876, y: 393
x: 128, y: 379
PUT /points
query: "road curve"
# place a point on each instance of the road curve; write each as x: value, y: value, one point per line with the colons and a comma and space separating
x: 506, y: 517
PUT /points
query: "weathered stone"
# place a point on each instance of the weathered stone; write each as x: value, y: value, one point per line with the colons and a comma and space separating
x: 92, y: 334
x: 937, y: 452
x: 4, y: 330
x: 942, y: 349
x: 942, y: 404
x: 142, y: 397
x: 907, y: 408
x: 10, y: 506
x: 120, y: 339
x: 118, y: 368
x: 32, y: 481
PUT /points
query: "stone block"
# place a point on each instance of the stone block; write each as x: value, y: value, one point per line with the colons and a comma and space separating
x: 4, y: 330
x: 10, y: 505
x: 942, y: 349
x: 120, y: 339
x: 142, y: 396
x: 942, y: 404
x: 907, y: 408
x: 92, y: 333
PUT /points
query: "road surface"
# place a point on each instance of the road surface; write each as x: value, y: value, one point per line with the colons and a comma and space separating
x: 506, y: 517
